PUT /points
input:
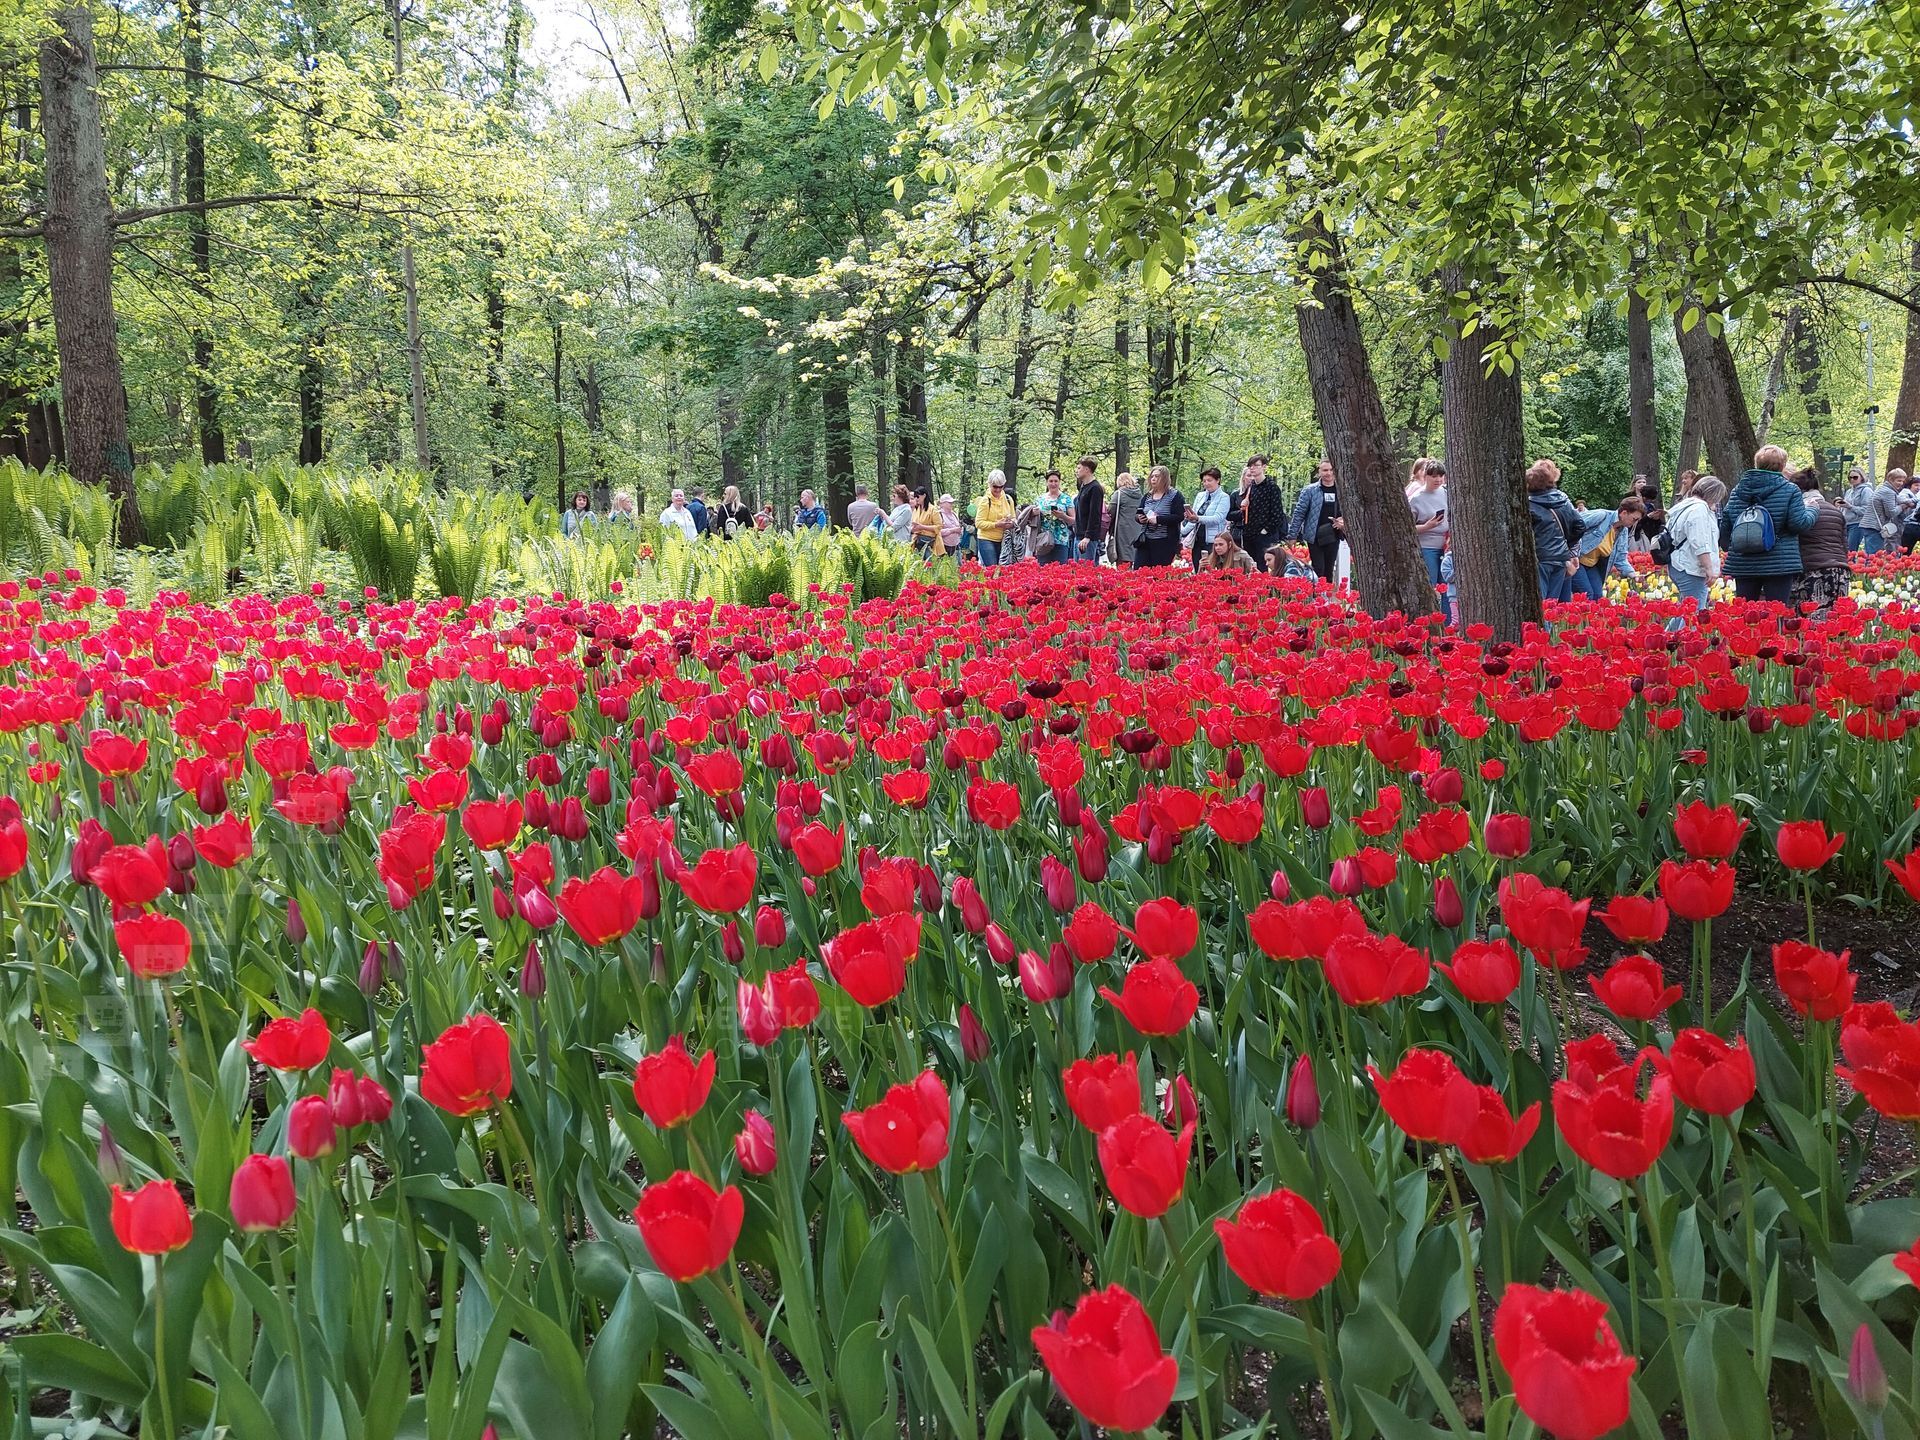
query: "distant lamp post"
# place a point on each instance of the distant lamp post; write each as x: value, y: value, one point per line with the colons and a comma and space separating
x: 1873, y: 410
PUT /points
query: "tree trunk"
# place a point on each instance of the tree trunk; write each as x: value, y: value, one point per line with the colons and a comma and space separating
x: 915, y: 467
x: 1776, y: 373
x: 1122, y: 381
x: 1906, y: 408
x: 1689, y: 454
x: 1726, y: 427
x: 79, y: 238
x: 28, y: 422
x: 1496, y: 579
x: 727, y: 412
x: 593, y: 411
x: 1807, y: 379
x: 1181, y: 381
x: 559, y: 417
x: 206, y: 400
x: 882, y: 472
x: 970, y: 389
x: 1062, y: 387
x: 495, y: 292
x: 836, y: 423
x: 1022, y: 369
x: 410, y: 291
x: 1643, y: 432
x: 1388, y: 573
x: 1162, y: 369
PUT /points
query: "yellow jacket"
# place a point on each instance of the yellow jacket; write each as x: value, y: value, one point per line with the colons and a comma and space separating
x: 991, y: 518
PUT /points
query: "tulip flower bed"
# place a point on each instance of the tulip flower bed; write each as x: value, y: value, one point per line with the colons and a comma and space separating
x: 1131, y: 1000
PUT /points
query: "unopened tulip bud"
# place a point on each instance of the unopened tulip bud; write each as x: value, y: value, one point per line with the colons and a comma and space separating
x: 502, y: 906
x: 1315, y: 809
x: 731, y: 945
x: 210, y: 791
x: 296, y: 923
x: 769, y: 927
x: 1046, y: 980
x: 973, y: 910
x: 1447, y: 909
x: 310, y: 1129
x: 111, y: 1163
x: 1160, y: 845
x: 1178, y: 1107
x: 1068, y: 803
x: 1345, y: 877
x: 999, y: 946
x: 754, y: 1147
x: 973, y: 1039
x: 599, y: 786
x: 1236, y: 764
x: 373, y: 969
x: 1445, y: 787
x: 343, y: 1096
x: 1866, y: 1376
x: 1279, y: 887
x: 533, y: 974
x: 1303, y: 1096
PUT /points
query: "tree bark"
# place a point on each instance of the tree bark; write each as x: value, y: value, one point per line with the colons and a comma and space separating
x: 1688, y: 457
x: 1496, y: 579
x: 1022, y: 370
x: 1162, y: 369
x: 1906, y: 408
x: 1808, y: 380
x: 495, y: 293
x: 882, y: 471
x: 559, y: 417
x: 1726, y: 427
x: 1122, y: 382
x: 915, y: 467
x: 206, y: 400
x: 29, y: 424
x: 410, y: 291
x: 79, y: 239
x: 970, y: 388
x: 1643, y: 432
x: 1388, y: 573
x: 1062, y: 387
x: 1776, y: 374
x: 836, y: 423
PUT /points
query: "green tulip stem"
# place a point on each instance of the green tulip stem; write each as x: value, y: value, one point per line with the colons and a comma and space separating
x: 1178, y: 1256
x: 1463, y: 1227
x: 1806, y: 888
x: 1317, y: 1343
x: 1630, y: 1242
x: 932, y: 1177
x: 1647, y: 1187
x: 276, y: 1259
x: 751, y: 1337
x: 167, y: 1427
x: 1753, y: 1247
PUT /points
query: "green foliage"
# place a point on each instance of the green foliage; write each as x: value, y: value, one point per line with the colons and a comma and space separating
x: 383, y: 520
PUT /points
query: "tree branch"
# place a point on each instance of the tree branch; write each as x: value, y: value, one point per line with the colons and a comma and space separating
x: 225, y: 202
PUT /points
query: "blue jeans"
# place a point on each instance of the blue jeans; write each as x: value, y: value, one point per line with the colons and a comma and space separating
x: 1059, y: 555
x: 1872, y: 542
x: 1089, y: 551
x: 1590, y: 582
x: 1692, y: 590
x: 1555, y: 583
x: 1433, y: 559
x: 988, y: 551
x: 1856, y: 537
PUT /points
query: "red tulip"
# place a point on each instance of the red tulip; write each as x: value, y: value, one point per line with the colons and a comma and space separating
x: 1907, y: 872
x: 1106, y: 1359
x: 1427, y: 1096
x: 1712, y: 1075
x: 468, y: 1068
x: 310, y: 1127
x: 721, y: 881
x: 602, y: 907
x: 911, y: 788
x: 407, y: 851
x: 1155, y: 998
x: 131, y: 875
x: 1090, y: 933
x: 769, y: 927
x: 974, y: 1044
x: 1316, y: 811
x: 1371, y: 969
x: 688, y: 1230
x: 261, y: 1197
x: 1546, y: 921
x: 1044, y: 981
x: 1907, y: 1262
x: 1707, y: 832
x: 1634, y: 988
x: 973, y: 910
x: 1303, y: 1095
x: 1570, y: 1376
x: 1803, y: 845
x: 1698, y: 889
x: 1102, y: 1091
x: 1485, y: 972
x: 994, y: 804
x: 226, y: 842
x: 715, y: 772
x: 890, y: 886
x: 754, y: 1147
x: 817, y: 849
x: 1179, y: 1106
x: 1436, y: 835
x: 1817, y: 983
x: 1883, y: 1059
x: 906, y: 1131
x: 1165, y: 929
x: 999, y: 945
x: 1608, y: 1125
x: 1278, y: 1244
x: 1507, y: 836
x: 492, y: 824
x: 153, y: 946
x: 1305, y: 929
x: 1056, y: 883
x: 1145, y: 1166
x: 1635, y: 919
x: 292, y: 1043
x: 152, y: 1220
x: 870, y: 960
x: 1495, y: 1136
x: 670, y: 1086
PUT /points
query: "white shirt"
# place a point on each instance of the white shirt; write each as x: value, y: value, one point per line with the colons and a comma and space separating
x: 1696, y: 538
x: 680, y: 518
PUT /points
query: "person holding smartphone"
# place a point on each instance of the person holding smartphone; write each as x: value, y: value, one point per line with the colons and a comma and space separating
x: 1427, y: 496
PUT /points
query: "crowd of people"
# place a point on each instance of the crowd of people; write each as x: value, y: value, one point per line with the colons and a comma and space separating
x: 1775, y: 534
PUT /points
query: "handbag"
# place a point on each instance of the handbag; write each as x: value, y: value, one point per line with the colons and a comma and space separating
x: 1042, y: 544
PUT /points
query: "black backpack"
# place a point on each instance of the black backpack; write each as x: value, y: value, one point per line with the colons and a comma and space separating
x: 1662, y: 547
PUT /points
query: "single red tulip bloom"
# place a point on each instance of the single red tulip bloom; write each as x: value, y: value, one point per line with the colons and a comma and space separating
x: 769, y: 927
x: 1817, y: 983
x: 1044, y: 981
x: 1373, y: 969
x: 1570, y: 1376
x: 1635, y: 919
x: 1635, y: 988
x: 468, y: 1068
x: 311, y: 1132
x: 226, y: 842
x: 492, y: 824
x: 1102, y: 1091
x: 1303, y: 1095
x: 152, y: 1220
x: 974, y: 1044
x: 721, y: 881
x: 1803, y: 845
x: 1427, y: 1096
x: 1495, y: 1136
x: 1485, y: 972
x: 600, y: 908
x: 1507, y: 836
x: 870, y: 960
x: 754, y: 1147
x: 1107, y: 1361
x: 1712, y: 1075
x: 1708, y: 832
x: 1090, y: 933
x: 292, y: 1042
x: 973, y: 910
x: 131, y: 875
x: 153, y: 946
x: 1907, y: 872
x: 1180, y: 1106
x: 1608, y: 1125
x: 1155, y: 998
x: 1304, y: 929
x: 1907, y: 1262
x: 1883, y: 1059
x: 408, y: 848
x: 688, y: 1229
x: 670, y: 1086
x: 1165, y: 929
x: 1316, y: 811
x: 1698, y: 889
x: 906, y: 1130
x: 890, y: 886
x: 817, y: 849
x: 1545, y: 920
x: 994, y: 804
x: 1279, y: 1245
x: 261, y: 1196
x: 1145, y: 1167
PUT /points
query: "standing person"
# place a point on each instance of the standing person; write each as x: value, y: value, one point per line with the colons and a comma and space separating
x: 1211, y: 516
x: 1883, y: 514
x: 1760, y: 529
x: 1262, y: 509
x: 731, y: 519
x: 678, y: 518
x: 1685, y: 487
x: 1236, y: 518
x: 1162, y: 511
x: 862, y: 512
x: 1602, y: 546
x: 577, y: 517
x: 924, y: 525
x: 620, y: 509
x: 1317, y: 521
x: 697, y: 503
x: 1653, y: 519
x: 1089, y: 513
x: 1556, y: 529
x: 1427, y: 498
x: 992, y: 516
x: 763, y: 517
x: 950, y: 526
x: 808, y: 514
x: 1853, y: 504
x: 1826, y: 573
x: 1693, y: 543
x: 1055, y: 511
x: 900, y: 518
x: 1123, y: 518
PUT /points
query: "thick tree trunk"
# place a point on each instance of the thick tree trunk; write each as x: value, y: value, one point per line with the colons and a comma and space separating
x: 1776, y: 374
x: 1688, y: 457
x: 559, y: 417
x: 1808, y: 380
x: 1726, y: 427
x: 970, y: 388
x: 1496, y: 579
x: 1062, y: 389
x: 882, y: 470
x: 1388, y: 573
x: 1022, y: 370
x: 1122, y: 383
x: 410, y: 292
x: 495, y: 292
x: 29, y: 424
x: 206, y: 400
x: 593, y: 411
x: 1162, y: 371
x: 1181, y: 381
x: 1906, y: 408
x: 1643, y: 432
x: 915, y: 468
x: 836, y: 423
x: 79, y: 238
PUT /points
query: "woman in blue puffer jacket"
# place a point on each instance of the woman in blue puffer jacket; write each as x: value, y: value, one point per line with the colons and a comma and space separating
x: 1766, y: 574
x: 1556, y: 530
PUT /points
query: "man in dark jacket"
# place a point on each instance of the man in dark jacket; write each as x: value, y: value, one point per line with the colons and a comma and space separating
x: 1089, y: 513
x: 1262, y: 508
x: 1766, y: 574
x: 1556, y: 530
x: 1317, y: 522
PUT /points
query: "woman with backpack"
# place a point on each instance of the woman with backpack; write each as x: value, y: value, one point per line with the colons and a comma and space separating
x: 1690, y: 546
x: 1760, y: 529
x: 1556, y: 530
